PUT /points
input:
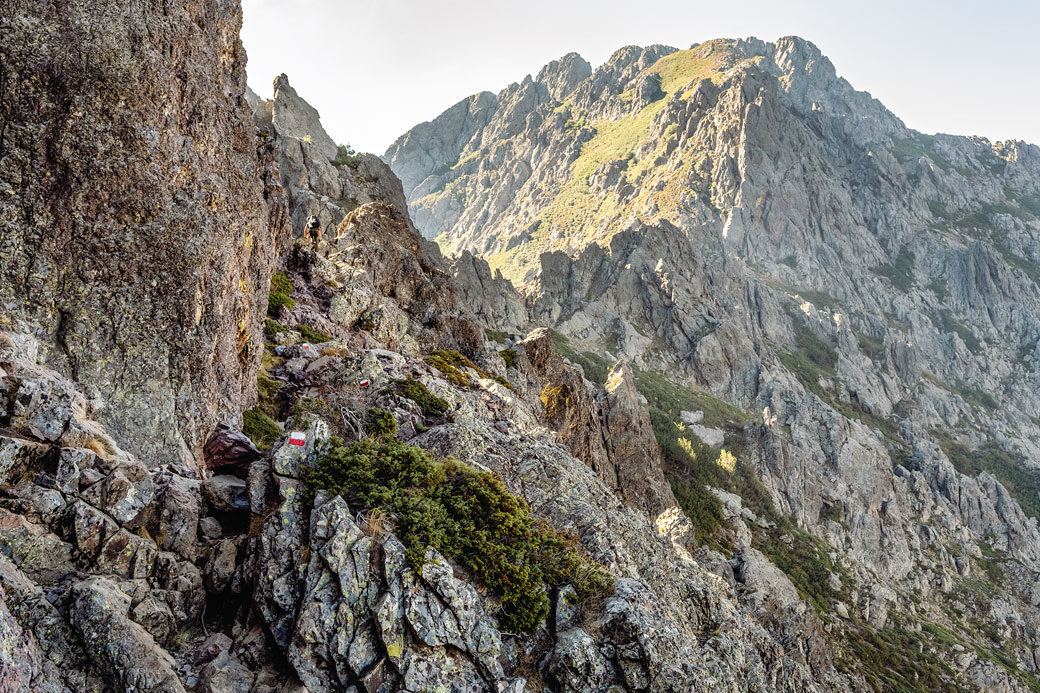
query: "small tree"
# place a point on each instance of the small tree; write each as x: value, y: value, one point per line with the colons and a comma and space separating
x: 345, y: 155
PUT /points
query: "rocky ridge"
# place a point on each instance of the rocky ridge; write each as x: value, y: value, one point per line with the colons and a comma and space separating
x: 222, y: 567
x: 225, y: 573
x: 738, y: 217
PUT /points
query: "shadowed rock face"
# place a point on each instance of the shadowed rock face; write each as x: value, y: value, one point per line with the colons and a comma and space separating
x: 136, y: 232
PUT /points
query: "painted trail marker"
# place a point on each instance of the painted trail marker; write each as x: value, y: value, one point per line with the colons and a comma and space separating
x: 297, y: 438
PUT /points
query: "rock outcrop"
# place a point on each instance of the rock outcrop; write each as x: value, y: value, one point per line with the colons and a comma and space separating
x: 611, y: 433
x: 137, y: 234
x: 320, y: 178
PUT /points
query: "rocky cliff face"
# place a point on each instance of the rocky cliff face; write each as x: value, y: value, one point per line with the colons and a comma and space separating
x: 137, y: 233
x: 320, y: 178
x: 739, y: 220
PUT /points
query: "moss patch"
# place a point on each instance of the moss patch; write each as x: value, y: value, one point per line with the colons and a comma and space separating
x: 261, y: 428
x: 452, y: 364
x: 509, y: 356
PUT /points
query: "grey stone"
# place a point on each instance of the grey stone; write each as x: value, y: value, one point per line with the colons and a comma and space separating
x: 124, y: 650
x: 226, y: 494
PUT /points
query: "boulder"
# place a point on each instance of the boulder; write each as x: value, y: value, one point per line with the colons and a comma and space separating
x: 229, y: 451
x: 225, y: 674
x: 124, y: 650
x: 226, y: 494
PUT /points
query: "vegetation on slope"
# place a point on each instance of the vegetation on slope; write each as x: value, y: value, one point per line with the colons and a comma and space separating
x: 578, y: 213
x: 455, y: 367
x: 466, y: 515
x: 281, y: 287
x: 1009, y: 468
x: 431, y: 404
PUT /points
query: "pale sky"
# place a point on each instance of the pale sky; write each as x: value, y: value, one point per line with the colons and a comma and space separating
x: 374, y: 69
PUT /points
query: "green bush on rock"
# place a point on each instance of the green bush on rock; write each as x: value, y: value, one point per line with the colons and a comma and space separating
x: 431, y: 404
x: 453, y: 365
x: 281, y: 287
x: 509, y: 356
x: 272, y: 328
x: 466, y: 515
x: 380, y: 423
x: 310, y: 334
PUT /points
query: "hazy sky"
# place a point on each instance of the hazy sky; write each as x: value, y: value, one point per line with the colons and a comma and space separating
x: 374, y: 69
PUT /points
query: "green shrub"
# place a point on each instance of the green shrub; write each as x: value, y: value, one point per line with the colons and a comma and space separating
x: 907, y: 149
x: 669, y: 398
x: 431, y: 404
x: 894, y: 659
x: 901, y: 273
x: 261, y: 428
x: 1029, y: 268
x: 451, y: 363
x: 310, y: 334
x: 820, y: 299
x: 946, y: 323
x: 873, y: 347
x: 497, y: 335
x: 813, y: 360
x: 976, y: 396
x: 276, y: 300
x: 281, y: 287
x: 266, y: 388
x: 467, y: 516
x: 380, y: 423
x: 805, y: 559
x: 595, y: 366
x: 691, y: 466
x: 509, y: 356
x: 280, y: 282
x: 700, y: 505
x: 273, y: 327
x: 1009, y: 468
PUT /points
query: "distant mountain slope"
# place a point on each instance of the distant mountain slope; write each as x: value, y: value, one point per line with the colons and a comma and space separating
x: 738, y: 217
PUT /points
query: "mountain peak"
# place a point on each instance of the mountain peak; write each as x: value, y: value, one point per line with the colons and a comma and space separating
x: 561, y: 76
